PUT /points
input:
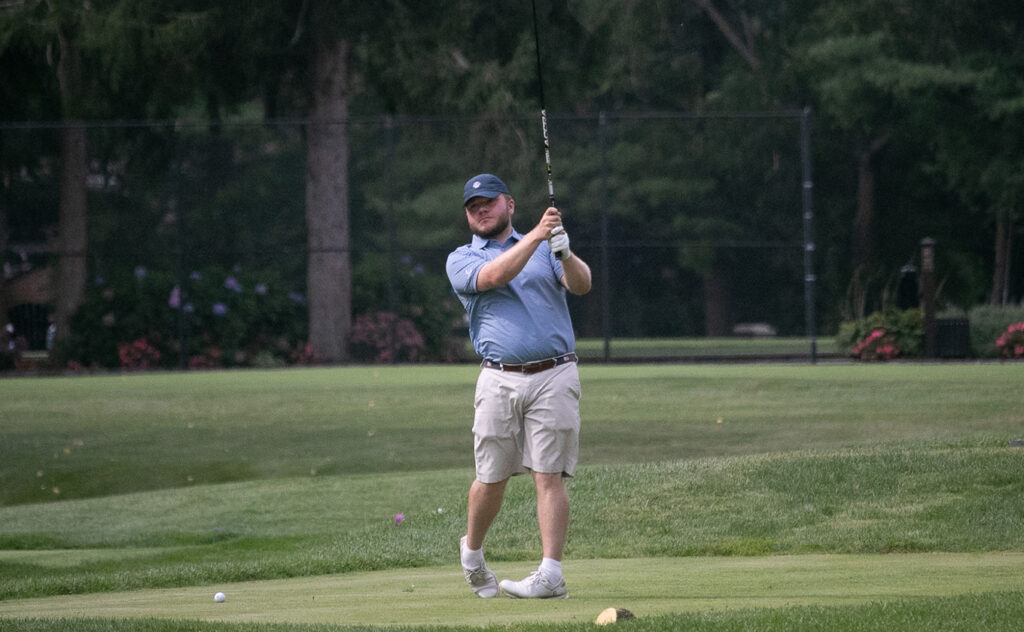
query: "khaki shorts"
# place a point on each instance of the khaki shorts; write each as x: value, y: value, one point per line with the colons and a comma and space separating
x: 526, y: 422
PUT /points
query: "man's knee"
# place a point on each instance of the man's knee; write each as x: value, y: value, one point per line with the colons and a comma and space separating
x: 548, y: 480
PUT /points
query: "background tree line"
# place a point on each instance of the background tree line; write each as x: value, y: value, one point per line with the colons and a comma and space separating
x: 917, y: 109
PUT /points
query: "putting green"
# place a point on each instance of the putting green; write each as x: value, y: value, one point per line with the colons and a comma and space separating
x: 438, y: 595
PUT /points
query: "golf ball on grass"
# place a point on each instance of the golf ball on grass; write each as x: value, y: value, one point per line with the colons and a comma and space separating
x: 219, y: 597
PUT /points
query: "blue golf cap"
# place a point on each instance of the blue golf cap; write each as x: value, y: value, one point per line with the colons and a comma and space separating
x: 483, y: 185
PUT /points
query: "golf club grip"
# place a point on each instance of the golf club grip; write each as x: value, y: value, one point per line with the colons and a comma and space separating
x: 547, y: 155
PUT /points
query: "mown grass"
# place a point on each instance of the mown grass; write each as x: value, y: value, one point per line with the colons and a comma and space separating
x: 878, y: 500
x: 990, y: 612
x: 141, y: 481
x: 66, y: 438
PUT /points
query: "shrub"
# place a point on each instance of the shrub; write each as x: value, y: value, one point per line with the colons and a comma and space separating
x: 416, y: 293
x: 902, y: 330
x: 1011, y: 343
x: 878, y: 345
x: 385, y: 337
x: 988, y: 323
x: 139, y: 319
x: 138, y: 354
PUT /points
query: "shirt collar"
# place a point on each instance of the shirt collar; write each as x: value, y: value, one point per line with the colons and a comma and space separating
x: 480, y: 243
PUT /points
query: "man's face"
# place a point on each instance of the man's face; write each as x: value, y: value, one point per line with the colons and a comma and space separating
x: 488, y: 217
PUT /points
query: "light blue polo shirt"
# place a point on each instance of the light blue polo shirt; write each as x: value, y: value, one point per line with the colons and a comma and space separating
x: 523, y: 321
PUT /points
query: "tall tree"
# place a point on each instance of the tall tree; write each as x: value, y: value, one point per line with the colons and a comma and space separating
x: 71, y: 266
x: 327, y: 198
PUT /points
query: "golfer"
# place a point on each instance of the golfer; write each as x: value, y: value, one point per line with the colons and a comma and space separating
x: 527, y: 395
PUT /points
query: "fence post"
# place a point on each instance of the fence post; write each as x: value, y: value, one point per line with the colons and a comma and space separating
x: 392, y: 229
x: 173, y: 204
x: 606, y: 297
x: 928, y: 294
x: 808, y: 186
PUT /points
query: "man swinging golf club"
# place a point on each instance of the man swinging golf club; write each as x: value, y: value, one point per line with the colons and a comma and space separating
x: 527, y: 394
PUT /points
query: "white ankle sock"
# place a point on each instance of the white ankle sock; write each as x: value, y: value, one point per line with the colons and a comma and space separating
x: 551, y: 569
x: 471, y: 558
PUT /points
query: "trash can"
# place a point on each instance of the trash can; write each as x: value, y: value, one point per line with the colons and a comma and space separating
x: 952, y: 338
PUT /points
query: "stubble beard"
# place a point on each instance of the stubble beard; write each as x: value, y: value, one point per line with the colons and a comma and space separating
x: 499, y: 227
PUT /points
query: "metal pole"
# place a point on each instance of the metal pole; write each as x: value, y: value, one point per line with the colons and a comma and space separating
x: 928, y: 294
x: 808, y: 209
x: 392, y: 249
x: 173, y: 203
x: 606, y: 290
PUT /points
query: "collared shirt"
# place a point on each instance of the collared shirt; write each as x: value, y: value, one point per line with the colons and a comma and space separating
x: 523, y: 321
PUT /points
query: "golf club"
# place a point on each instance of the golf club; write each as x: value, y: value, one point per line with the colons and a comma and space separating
x: 544, y: 118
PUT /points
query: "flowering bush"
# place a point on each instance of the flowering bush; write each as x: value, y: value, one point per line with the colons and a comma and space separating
x: 878, y: 345
x: 426, y: 299
x: 902, y: 335
x: 1011, y: 343
x: 143, y: 318
x: 385, y: 337
x: 988, y: 324
x: 138, y: 354
x: 208, y: 359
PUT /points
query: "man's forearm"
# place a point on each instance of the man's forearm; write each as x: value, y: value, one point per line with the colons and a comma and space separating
x: 503, y: 268
x: 576, y: 275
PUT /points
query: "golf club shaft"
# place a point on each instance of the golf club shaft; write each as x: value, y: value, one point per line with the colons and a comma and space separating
x: 562, y: 254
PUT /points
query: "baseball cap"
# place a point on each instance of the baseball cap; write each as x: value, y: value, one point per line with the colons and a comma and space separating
x: 483, y: 185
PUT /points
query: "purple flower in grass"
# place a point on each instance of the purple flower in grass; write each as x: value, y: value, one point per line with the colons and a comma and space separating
x: 220, y: 309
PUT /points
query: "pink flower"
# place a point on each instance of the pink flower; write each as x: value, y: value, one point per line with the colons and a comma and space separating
x: 399, y: 518
x: 878, y: 345
x: 1010, y: 343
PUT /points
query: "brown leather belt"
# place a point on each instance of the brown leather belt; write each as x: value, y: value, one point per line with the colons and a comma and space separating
x: 530, y: 367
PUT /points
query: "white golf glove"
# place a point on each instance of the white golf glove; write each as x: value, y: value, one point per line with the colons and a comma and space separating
x: 559, y: 242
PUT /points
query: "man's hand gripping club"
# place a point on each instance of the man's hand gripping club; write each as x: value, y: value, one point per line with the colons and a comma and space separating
x: 550, y: 226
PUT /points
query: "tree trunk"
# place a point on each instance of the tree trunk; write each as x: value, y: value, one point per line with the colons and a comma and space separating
x: 71, y: 264
x: 1001, y: 266
x: 329, y: 275
x: 862, y: 221
x: 862, y: 248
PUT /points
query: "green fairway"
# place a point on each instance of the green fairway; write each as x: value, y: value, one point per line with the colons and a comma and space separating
x: 82, y: 437
x: 438, y: 595
x: 755, y: 488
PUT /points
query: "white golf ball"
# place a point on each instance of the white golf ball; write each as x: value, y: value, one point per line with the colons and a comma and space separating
x: 219, y: 597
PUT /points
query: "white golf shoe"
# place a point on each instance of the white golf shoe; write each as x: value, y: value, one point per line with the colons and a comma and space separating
x: 536, y: 586
x: 480, y: 579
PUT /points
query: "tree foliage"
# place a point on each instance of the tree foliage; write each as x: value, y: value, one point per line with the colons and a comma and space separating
x: 917, y: 108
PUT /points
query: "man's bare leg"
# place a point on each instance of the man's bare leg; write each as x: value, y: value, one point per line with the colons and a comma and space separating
x: 484, y: 503
x: 552, y: 512
x: 553, y: 519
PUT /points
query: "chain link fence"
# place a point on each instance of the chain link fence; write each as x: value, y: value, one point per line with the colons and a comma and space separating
x: 697, y: 228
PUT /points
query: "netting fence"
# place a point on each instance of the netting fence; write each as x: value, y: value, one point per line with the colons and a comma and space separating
x: 696, y: 227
